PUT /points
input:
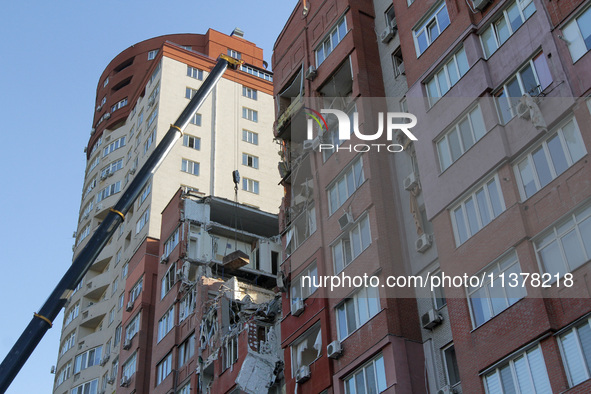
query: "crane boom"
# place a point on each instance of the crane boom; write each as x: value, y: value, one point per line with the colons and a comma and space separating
x: 42, y: 320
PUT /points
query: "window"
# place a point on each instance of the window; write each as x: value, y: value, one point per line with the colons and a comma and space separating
x: 187, y: 305
x: 133, y: 327
x: 164, y: 368
x: 447, y: 76
x: 507, y: 23
x: 114, y: 286
x: 186, y: 389
x: 155, y: 73
x: 577, y: 34
x: 88, y: 359
x: 86, y: 388
x: 111, y: 315
x: 478, y: 210
x: 456, y: 141
x: 168, y: 281
x: 439, y: 300
x: 302, y: 289
x: 151, y: 100
x: 186, y: 350
x: 526, y: 373
x: 171, y: 242
x: 575, y: 348
x: 136, y: 290
x: 166, y: 323
x: 152, y: 54
x: 63, y: 374
x: 140, y: 119
x: 120, y: 104
x: 191, y: 142
x: 370, y: 378
x: 567, y: 245
x: 229, y: 353
x: 194, y: 73
x: 331, y: 41
x: 115, y: 367
x: 142, y: 221
x: 250, y: 114
x: 492, y: 297
x: 301, y: 228
x: 109, y: 191
x: 256, y: 72
x: 250, y: 160
x: 149, y: 141
x: 117, y: 339
x: 129, y: 367
x: 113, y: 146
x: 83, y: 234
x: 533, y: 78
x: 451, y: 365
x: 355, y: 311
x: 549, y: 159
x: 390, y: 17
x: 250, y: 185
x: 249, y: 93
x: 106, y: 82
x: 345, y: 185
x: 398, y: 64
x: 189, y: 93
x: 72, y: 314
x: 196, y: 119
x: 122, y: 296
x: 152, y: 117
x: 234, y: 54
x: 333, y: 135
x: 431, y: 29
x: 145, y: 193
x: 94, y: 163
x: 68, y: 343
x: 112, y: 168
x: 306, y: 349
x: 190, y: 167
x: 250, y: 137
x: 351, y: 244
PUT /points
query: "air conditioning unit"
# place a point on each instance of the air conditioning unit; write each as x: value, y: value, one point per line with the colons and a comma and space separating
x: 431, y: 319
x: 102, y: 392
x: 99, y: 207
x: 127, y: 344
x: 92, y: 131
x: 303, y: 374
x: 86, y: 215
x: 311, y: 73
x: 311, y: 144
x: 129, y: 306
x: 151, y: 101
x: 132, y: 171
x: 410, y: 181
x: 163, y: 259
x: 111, y: 380
x: 446, y: 390
x: 107, y: 115
x: 388, y: 34
x: 124, y: 381
x: 480, y: 4
x: 105, y: 359
x: 423, y: 243
x: 334, y: 350
x: 401, y: 69
x: 297, y: 307
x: 346, y: 220
x: 85, y: 149
x: 522, y: 108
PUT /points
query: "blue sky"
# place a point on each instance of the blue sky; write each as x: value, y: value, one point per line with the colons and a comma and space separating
x: 52, y: 54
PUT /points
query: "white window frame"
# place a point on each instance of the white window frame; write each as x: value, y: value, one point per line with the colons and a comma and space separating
x: 194, y: 73
x: 330, y: 41
x: 192, y: 142
x: 72, y: 314
x: 190, y: 167
x: 489, y: 208
x: 129, y: 367
x: 88, y: 359
x: 368, y: 298
x: 297, y: 290
x: 68, y: 343
x: 141, y: 223
x: 250, y: 136
x: 493, y: 26
x: 345, y: 241
x: 249, y: 93
x: 380, y: 379
x: 113, y: 146
x: 250, y: 185
x: 578, y: 358
x: 196, y: 119
x: 574, y: 38
x: 164, y: 368
x: 430, y: 21
x: 451, y: 65
x: 497, y: 288
x: 230, y: 352
x: 90, y: 387
x: 354, y: 172
x: 571, y: 159
x: 168, y: 281
x: 250, y: 114
x: 133, y: 327
x: 306, y: 337
x: 152, y: 54
x: 186, y: 350
x: 249, y: 160
x: 136, y: 290
x: 166, y: 323
x: 444, y: 146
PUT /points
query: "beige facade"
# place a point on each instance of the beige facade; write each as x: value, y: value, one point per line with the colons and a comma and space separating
x: 90, y: 343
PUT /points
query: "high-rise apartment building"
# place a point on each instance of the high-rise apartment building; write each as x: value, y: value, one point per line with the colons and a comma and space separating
x: 497, y: 186
x: 139, y: 94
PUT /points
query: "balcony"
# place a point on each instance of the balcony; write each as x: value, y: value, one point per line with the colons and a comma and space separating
x: 94, y: 314
x: 96, y: 286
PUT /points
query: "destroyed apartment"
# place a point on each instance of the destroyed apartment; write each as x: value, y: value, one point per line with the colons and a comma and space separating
x: 208, y: 318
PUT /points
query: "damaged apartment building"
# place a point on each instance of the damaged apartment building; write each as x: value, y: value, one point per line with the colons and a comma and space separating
x: 211, y: 323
